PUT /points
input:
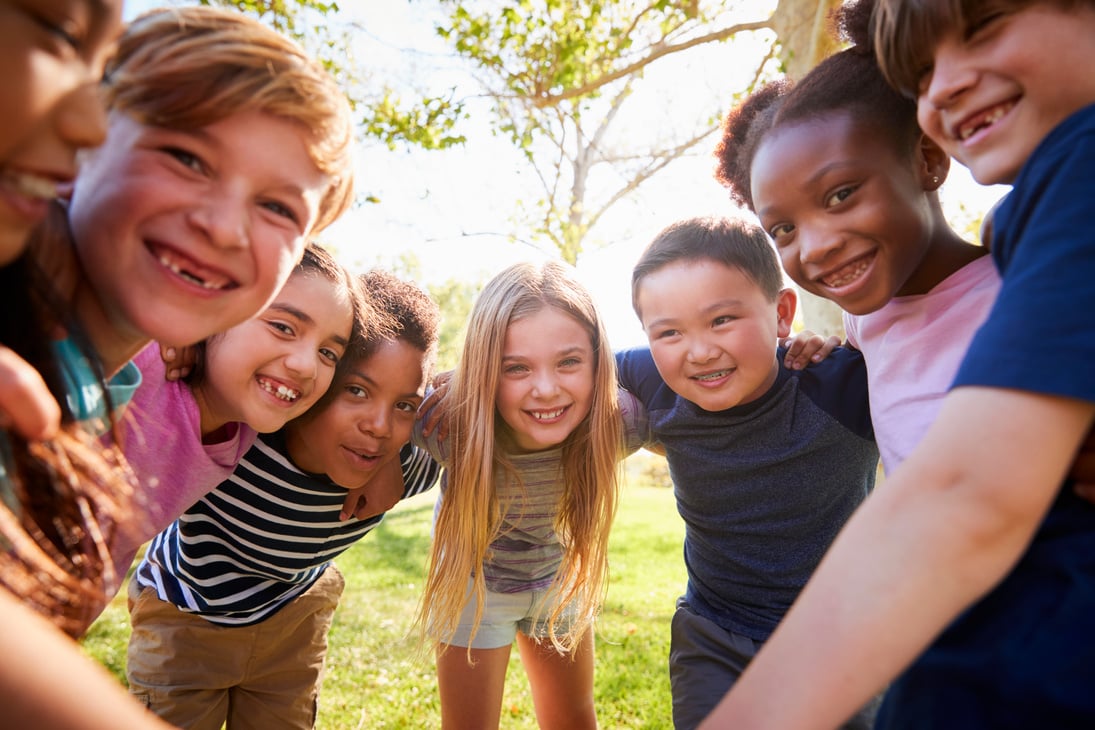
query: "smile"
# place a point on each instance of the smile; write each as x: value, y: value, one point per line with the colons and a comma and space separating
x: 281, y: 392
x: 716, y: 375
x: 847, y: 274
x: 980, y: 122
x: 547, y: 415
x: 32, y: 186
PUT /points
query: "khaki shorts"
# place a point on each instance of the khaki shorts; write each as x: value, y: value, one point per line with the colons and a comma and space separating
x: 200, y: 675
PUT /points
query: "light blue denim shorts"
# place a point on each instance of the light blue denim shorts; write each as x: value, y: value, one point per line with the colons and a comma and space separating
x: 505, y: 614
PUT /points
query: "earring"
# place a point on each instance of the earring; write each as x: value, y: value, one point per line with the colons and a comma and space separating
x: 935, y: 179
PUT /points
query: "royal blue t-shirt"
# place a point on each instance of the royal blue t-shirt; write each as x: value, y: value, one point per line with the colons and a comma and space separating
x: 1024, y: 656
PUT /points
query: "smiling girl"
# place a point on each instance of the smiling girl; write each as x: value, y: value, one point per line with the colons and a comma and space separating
x: 521, y: 535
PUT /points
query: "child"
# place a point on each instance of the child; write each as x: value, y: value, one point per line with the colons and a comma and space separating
x: 232, y: 602
x: 184, y: 222
x: 49, y: 67
x: 976, y: 557
x: 519, y: 551
x: 846, y: 184
x: 767, y: 462
x: 184, y: 438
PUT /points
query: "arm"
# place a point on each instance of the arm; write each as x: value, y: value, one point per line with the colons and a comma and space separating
x: 947, y: 526
x: 47, y: 682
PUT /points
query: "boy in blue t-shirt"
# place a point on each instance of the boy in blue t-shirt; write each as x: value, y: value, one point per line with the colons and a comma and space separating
x: 973, y: 571
x: 767, y: 462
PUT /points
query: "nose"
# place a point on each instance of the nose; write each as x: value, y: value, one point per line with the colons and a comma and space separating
x: 375, y: 420
x: 303, y: 361
x: 81, y: 118
x: 817, y: 244
x: 950, y: 75
x: 544, y: 385
x: 701, y: 351
x: 221, y: 215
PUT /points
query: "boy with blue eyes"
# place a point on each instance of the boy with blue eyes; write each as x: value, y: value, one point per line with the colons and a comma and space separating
x: 767, y: 462
x: 232, y: 602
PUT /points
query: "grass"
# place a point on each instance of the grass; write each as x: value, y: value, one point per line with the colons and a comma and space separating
x: 376, y: 679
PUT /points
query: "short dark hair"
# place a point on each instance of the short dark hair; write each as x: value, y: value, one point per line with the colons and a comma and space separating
x: 729, y: 241
x: 415, y: 318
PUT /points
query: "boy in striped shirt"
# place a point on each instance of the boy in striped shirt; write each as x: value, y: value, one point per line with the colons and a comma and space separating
x: 232, y: 603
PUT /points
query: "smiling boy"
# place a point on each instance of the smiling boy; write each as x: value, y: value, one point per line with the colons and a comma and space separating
x: 767, y: 462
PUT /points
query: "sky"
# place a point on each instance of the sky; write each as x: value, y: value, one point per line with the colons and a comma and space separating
x: 452, y: 209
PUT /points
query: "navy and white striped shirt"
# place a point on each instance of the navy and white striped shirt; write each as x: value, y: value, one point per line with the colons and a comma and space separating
x: 261, y: 538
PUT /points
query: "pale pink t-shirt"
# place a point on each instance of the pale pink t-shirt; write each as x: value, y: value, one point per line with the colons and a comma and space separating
x: 913, y: 347
x: 162, y: 442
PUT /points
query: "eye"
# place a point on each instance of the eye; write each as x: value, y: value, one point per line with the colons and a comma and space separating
x: 979, y: 23
x: 724, y: 319
x: 780, y: 230
x: 357, y: 391
x: 282, y: 327
x: 281, y: 209
x: 839, y: 196
x: 666, y: 334
x: 405, y: 406
x: 66, y: 30
x: 571, y: 362
x: 186, y: 158
x: 515, y: 369
x: 332, y: 355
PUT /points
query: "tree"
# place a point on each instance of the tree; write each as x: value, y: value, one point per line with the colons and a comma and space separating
x: 560, y: 74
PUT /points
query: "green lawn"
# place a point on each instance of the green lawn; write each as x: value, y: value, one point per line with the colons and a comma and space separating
x: 376, y: 679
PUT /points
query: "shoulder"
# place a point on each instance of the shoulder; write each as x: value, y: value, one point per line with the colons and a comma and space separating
x: 838, y: 386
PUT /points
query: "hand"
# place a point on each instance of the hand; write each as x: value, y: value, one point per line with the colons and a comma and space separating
x: 1083, y: 469
x: 434, y: 407
x: 178, y: 361
x: 382, y: 492
x: 806, y: 347
x: 26, y: 405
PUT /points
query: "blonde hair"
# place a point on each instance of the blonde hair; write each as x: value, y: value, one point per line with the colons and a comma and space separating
x: 187, y: 68
x: 470, y: 516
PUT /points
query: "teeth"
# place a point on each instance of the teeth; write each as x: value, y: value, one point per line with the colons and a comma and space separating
x: 188, y: 276
x: 712, y: 376
x: 32, y: 185
x: 846, y: 275
x: 547, y: 415
x: 281, y: 392
x: 966, y: 132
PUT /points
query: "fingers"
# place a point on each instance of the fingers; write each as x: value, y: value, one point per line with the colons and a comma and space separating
x: 807, y: 347
x: 26, y: 405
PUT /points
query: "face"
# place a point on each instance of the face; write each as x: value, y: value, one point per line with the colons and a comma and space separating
x: 850, y: 218
x: 713, y: 332
x: 995, y: 90
x: 183, y: 234
x: 274, y: 367
x: 546, y: 388
x: 52, y: 54
x: 366, y: 421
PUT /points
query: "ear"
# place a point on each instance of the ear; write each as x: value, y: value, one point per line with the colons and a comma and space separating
x: 786, y: 301
x: 933, y: 163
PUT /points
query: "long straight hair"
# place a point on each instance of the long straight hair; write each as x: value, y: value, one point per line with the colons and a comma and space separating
x: 470, y: 517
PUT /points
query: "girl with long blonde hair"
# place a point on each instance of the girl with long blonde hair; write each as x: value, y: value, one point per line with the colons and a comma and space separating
x: 531, y: 459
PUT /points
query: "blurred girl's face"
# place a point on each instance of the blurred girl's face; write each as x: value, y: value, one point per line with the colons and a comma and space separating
x: 546, y: 387
x: 52, y: 54
x: 272, y: 368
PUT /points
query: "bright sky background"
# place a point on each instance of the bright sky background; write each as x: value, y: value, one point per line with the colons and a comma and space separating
x: 452, y: 209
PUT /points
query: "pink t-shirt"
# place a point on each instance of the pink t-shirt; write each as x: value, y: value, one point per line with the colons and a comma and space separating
x: 913, y: 347
x: 162, y: 442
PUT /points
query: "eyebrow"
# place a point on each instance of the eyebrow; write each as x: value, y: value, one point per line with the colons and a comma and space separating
x: 560, y: 353
x: 303, y: 316
x: 720, y: 304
